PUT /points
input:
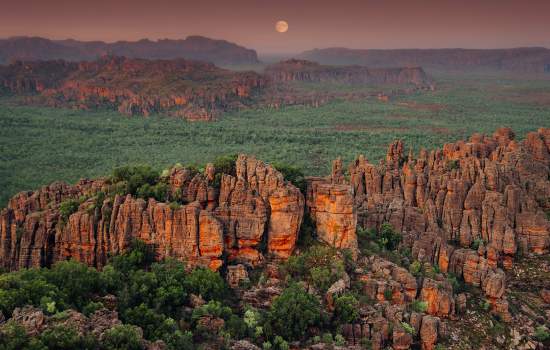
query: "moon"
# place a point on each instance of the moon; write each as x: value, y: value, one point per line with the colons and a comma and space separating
x: 281, y: 26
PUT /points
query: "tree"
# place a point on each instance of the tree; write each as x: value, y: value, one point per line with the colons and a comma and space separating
x: 122, y: 337
x: 346, y: 309
x: 76, y: 282
x: 66, y: 338
x: 388, y: 238
x: 206, y: 283
x: 293, y: 174
x: 68, y: 207
x: 170, y: 293
x: 139, y: 256
x: 293, y: 312
x: 13, y: 337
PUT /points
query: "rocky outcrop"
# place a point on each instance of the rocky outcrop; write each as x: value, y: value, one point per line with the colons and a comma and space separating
x: 256, y: 201
x: 490, y: 189
x: 308, y: 71
x: 134, y: 86
x: 490, y: 193
x: 194, y: 90
x: 232, y: 221
x: 236, y: 274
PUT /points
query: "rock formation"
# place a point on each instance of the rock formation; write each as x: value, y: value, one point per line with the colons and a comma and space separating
x: 489, y: 190
x: 254, y: 205
x: 193, y: 90
x: 308, y: 71
x: 134, y: 86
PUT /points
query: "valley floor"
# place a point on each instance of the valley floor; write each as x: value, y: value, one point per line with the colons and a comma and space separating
x: 41, y: 145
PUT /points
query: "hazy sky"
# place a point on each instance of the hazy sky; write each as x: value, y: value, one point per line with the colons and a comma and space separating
x: 313, y: 23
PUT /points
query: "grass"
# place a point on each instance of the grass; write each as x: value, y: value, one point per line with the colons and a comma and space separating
x: 40, y: 145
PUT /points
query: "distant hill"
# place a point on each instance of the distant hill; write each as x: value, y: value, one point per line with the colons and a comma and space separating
x: 308, y: 71
x: 196, y: 90
x: 193, y: 47
x: 531, y: 60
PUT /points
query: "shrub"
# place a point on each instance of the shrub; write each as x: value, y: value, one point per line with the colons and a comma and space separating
x: 408, y: 328
x: 476, y: 243
x: 388, y: 294
x: 320, y: 265
x: 236, y: 327
x: 267, y: 345
x: 366, y: 343
x: 179, y: 340
x: 26, y: 287
x: 419, y: 306
x: 456, y: 282
x: 453, y: 164
x: 122, y: 337
x: 225, y: 164
x: 339, y: 340
x: 66, y: 338
x: 346, y: 309
x: 210, y: 285
x: 139, y: 256
x: 388, y: 238
x: 14, y: 337
x: 92, y: 307
x: 415, y: 268
x: 280, y: 343
x: 158, y: 191
x: 542, y: 334
x: 213, y: 308
x: 76, y: 282
x: 153, y: 324
x: 327, y: 338
x: 293, y: 174
x: 130, y: 179
x: 68, y: 207
x: 293, y: 312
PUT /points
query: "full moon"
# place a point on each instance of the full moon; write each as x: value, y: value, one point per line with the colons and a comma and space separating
x: 281, y: 26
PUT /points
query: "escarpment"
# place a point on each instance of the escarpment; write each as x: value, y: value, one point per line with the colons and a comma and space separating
x: 181, y: 88
x: 308, y: 71
x: 233, y: 217
x: 469, y: 208
x: 193, y: 90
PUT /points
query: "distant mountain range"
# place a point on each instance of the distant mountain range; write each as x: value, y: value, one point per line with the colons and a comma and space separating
x: 220, y: 52
x: 531, y: 59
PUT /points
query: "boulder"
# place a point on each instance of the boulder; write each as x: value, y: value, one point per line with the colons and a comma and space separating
x: 236, y: 274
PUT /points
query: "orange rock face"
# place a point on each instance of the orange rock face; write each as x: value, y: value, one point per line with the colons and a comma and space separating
x: 493, y: 189
x: 331, y: 208
x: 253, y: 206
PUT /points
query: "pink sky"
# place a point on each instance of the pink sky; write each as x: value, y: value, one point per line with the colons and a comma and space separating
x: 313, y: 23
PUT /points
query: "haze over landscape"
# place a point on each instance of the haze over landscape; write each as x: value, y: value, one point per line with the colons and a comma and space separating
x: 313, y: 23
x: 274, y: 175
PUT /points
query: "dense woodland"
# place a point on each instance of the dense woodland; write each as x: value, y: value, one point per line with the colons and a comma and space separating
x: 42, y: 145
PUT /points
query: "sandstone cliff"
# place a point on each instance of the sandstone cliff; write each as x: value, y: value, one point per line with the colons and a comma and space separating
x: 252, y: 206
